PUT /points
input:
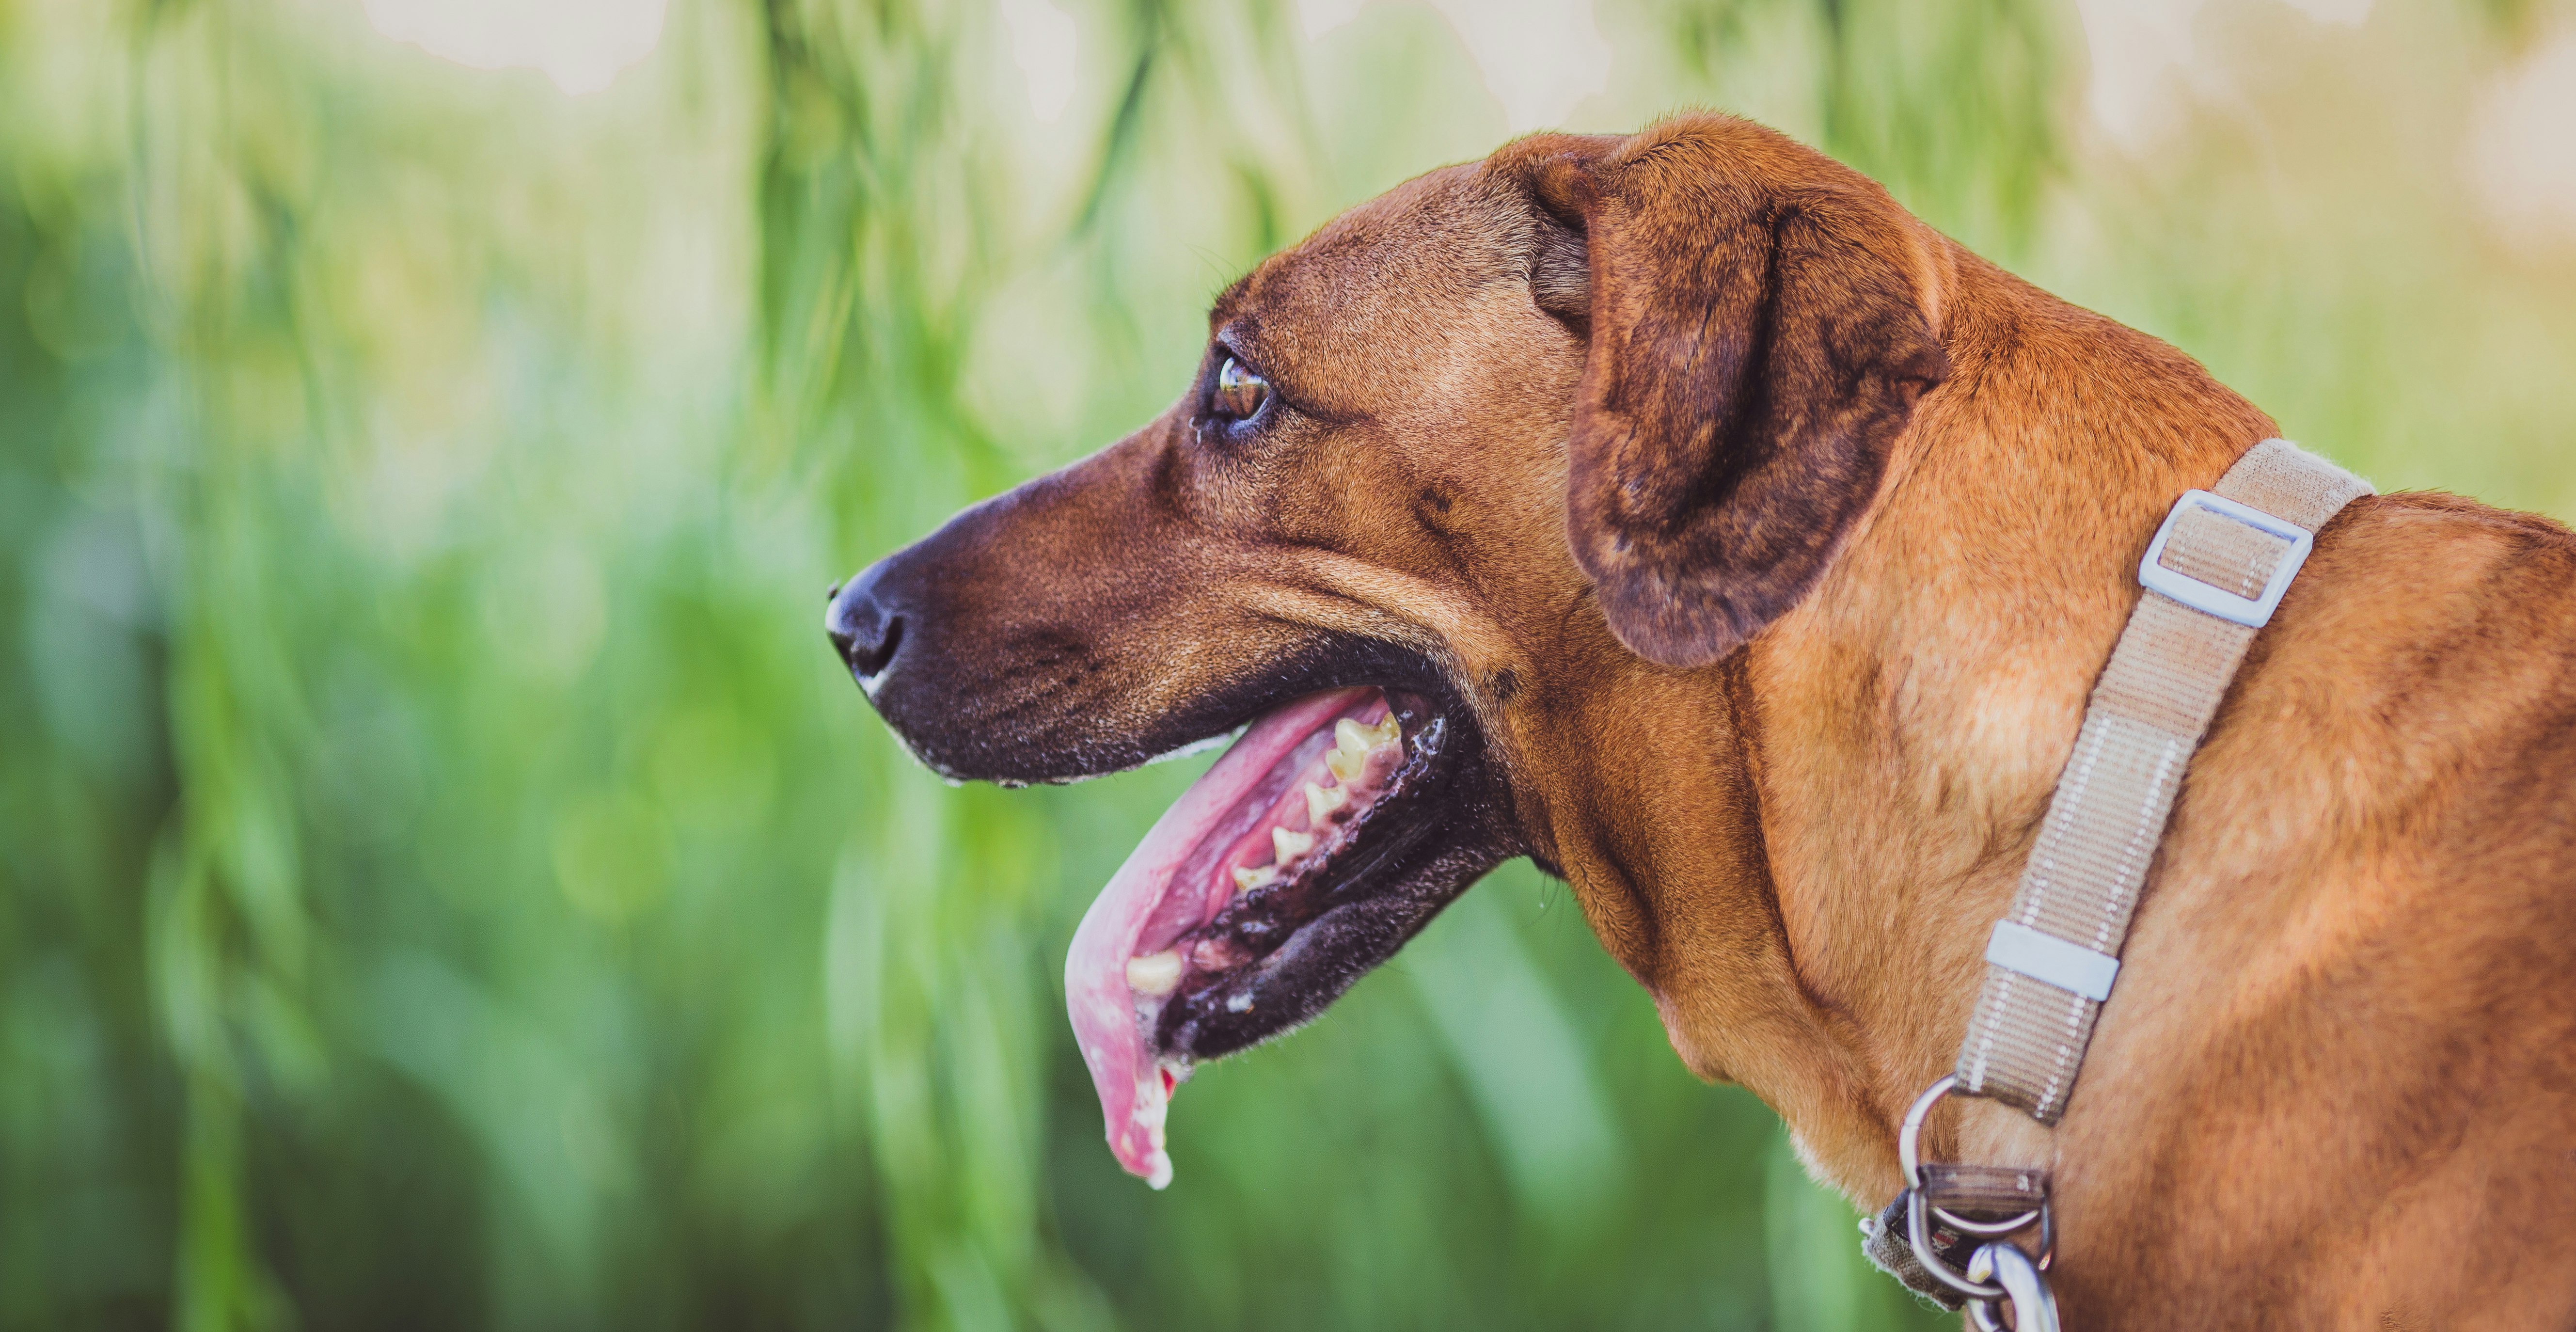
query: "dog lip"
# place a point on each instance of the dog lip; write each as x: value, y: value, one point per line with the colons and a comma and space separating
x: 964, y: 721
x: 1186, y: 749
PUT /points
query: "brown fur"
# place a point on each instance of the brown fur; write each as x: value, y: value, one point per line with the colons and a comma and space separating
x: 1854, y: 519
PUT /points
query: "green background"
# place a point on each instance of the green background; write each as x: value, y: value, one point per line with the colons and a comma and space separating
x: 446, y: 882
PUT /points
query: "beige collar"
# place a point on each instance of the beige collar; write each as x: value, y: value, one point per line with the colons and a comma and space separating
x: 2213, y: 576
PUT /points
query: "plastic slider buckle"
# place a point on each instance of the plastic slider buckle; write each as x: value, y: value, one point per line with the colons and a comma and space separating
x: 2253, y: 612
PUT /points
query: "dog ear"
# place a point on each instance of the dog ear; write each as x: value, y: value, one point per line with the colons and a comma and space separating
x: 1755, y: 347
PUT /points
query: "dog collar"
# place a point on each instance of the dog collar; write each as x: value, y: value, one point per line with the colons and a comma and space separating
x: 2212, y: 577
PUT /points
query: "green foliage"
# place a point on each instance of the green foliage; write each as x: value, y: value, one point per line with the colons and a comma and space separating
x: 1954, y: 107
x: 444, y: 879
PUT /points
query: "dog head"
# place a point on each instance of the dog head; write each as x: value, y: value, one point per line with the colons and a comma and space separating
x: 1465, y: 483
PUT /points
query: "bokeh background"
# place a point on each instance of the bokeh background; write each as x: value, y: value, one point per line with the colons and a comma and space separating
x: 446, y: 882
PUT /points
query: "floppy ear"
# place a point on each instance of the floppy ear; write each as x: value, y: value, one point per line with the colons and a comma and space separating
x: 1755, y: 347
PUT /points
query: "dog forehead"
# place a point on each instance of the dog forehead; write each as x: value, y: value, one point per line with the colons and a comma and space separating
x: 1374, y: 287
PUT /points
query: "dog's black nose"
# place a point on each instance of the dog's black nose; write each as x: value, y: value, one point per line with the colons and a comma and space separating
x: 863, y: 624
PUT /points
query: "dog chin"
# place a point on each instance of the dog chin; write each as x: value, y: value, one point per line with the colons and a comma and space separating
x: 1327, y: 835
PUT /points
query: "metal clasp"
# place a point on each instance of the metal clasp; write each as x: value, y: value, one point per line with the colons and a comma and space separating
x: 1998, y: 1273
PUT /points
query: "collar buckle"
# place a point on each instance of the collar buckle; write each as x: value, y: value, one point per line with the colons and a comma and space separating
x: 2201, y: 595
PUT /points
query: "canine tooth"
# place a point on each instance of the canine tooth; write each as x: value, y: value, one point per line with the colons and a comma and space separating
x: 1346, y: 766
x: 1155, y: 973
x: 1321, y: 803
x: 1350, y: 737
x: 1249, y: 877
x: 1290, y: 845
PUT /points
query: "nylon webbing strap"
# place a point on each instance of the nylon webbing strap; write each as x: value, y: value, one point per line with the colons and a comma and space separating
x: 2052, y: 959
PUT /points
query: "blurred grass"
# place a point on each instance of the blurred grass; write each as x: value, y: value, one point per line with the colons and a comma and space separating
x: 445, y: 882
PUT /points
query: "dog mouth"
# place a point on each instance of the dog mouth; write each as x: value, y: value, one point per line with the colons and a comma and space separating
x: 1326, y: 836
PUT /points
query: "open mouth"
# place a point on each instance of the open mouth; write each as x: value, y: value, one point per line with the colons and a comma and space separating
x: 1324, y: 838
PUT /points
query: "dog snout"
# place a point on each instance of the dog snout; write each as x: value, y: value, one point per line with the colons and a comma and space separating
x: 866, y: 621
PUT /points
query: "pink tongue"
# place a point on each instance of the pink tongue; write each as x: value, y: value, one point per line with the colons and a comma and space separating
x: 1190, y: 833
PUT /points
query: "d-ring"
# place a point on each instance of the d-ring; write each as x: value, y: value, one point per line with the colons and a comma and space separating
x: 1907, y: 1137
x: 1909, y: 1155
x: 1918, y: 1232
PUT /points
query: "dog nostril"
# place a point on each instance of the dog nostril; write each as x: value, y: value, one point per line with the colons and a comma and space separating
x: 867, y: 657
x: 865, y: 631
x: 868, y: 661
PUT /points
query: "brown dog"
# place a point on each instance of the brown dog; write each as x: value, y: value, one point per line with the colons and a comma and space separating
x: 1743, y: 551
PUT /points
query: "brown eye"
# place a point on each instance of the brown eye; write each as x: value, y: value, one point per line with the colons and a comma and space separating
x: 1239, y: 392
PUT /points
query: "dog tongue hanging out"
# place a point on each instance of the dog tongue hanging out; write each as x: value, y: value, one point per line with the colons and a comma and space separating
x: 1241, y: 858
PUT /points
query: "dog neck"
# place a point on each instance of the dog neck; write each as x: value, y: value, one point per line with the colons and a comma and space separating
x: 1799, y: 850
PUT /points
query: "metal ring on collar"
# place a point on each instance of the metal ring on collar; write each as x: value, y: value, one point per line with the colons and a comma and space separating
x: 1918, y: 1234
x: 1909, y: 1154
x: 1909, y: 1137
x: 1918, y: 1237
x: 1986, y: 1229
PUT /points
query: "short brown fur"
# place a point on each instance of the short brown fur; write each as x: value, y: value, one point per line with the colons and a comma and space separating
x: 1781, y: 624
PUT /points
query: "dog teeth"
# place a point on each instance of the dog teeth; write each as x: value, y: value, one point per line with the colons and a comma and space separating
x: 1321, y: 803
x: 1249, y: 877
x: 1290, y: 845
x: 1216, y: 955
x: 1353, y: 744
x: 1155, y: 974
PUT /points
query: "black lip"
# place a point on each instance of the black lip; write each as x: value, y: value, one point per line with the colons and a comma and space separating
x: 964, y: 735
x: 1443, y: 825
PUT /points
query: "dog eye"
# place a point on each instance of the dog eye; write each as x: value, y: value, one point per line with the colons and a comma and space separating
x: 1239, y: 392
